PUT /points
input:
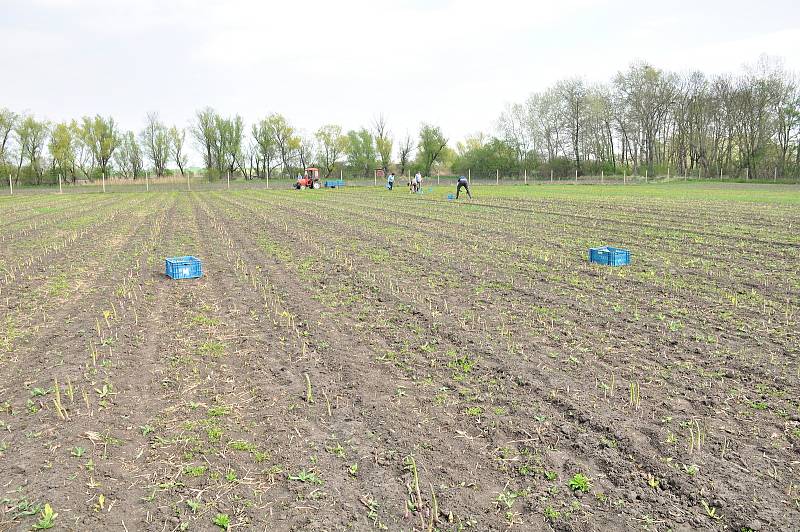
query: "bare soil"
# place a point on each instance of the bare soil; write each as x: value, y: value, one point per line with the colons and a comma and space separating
x: 362, y: 360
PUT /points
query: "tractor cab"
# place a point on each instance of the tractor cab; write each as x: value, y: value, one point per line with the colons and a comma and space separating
x: 309, y: 180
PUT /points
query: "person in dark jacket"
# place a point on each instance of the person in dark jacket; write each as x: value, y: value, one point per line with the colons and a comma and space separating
x: 463, y: 182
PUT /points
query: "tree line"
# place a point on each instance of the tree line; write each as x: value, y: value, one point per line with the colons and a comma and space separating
x: 38, y: 152
x: 644, y: 119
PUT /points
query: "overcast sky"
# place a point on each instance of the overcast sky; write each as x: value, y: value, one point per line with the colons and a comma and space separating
x: 451, y: 63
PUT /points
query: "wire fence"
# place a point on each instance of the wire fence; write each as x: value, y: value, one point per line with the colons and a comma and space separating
x: 201, y: 183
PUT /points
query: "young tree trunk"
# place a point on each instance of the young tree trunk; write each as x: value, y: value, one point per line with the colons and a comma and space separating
x: 611, y: 145
x: 797, y: 155
x: 19, y: 167
x: 576, y: 139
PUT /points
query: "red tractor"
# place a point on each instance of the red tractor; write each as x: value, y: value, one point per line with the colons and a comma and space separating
x: 309, y: 180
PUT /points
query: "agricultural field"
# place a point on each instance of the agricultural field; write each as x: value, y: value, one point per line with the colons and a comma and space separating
x: 362, y: 359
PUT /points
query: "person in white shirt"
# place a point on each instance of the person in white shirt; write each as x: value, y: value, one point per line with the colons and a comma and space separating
x: 417, y: 182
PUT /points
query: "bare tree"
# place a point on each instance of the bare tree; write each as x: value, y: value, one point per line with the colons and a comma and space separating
x: 129, y: 156
x: 573, y: 98
x: 177, y: 143
x: 332, y: 146
x: 251, y: 157
x: 647, y: 94
x: 545, y: 122
x: 432, y: 143
x: 514, y: 128
x: 62, y: 150
x: 31, y: 136
x: 383, y: 141
x: 229, y: 156
x: 101, y: 138
x: 285, y: 140
x: 305, y: 151
x: 84, y: 160
x: 156, y: 141
x: 8, y: 121
x: 406, y: 147
x: 263, y: 135
x: 206, y: 135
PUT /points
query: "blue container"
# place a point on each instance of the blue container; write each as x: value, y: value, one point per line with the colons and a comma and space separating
x: 451, y: 196
x: 610, y: 256
x: 183, y: 267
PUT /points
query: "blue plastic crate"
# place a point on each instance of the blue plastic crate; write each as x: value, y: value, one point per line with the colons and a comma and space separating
x: 610, y: 256
x: 183, y: 267
x: 451, y: 196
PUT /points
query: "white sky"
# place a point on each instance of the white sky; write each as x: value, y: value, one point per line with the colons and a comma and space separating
x: 448, y: 62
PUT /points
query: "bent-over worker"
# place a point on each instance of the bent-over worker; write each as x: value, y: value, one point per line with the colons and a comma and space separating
x: 463, y: 182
